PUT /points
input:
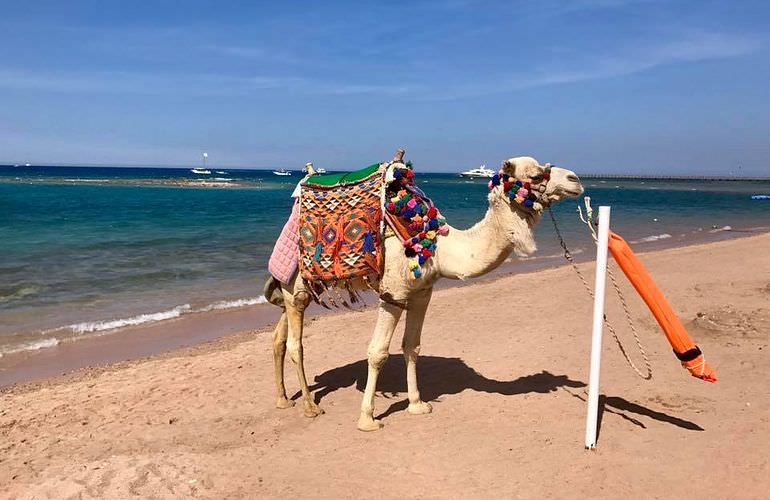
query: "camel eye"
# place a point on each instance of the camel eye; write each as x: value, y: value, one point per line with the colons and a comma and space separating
x: 537, y: 177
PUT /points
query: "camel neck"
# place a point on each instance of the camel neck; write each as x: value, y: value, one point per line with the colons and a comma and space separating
x: 485, y: 246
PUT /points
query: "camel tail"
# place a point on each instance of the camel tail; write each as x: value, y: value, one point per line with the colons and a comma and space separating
x: 272, y: 292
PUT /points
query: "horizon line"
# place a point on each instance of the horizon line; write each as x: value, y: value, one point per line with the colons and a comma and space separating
x: 592, y: 175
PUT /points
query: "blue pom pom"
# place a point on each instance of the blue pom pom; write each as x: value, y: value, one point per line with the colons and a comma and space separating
x: 432, y: 224
x: 417, y: 272
x: 496, y: 180
x: 408, y: 213
x: 396, y: 173
x: 518, y: 183
x: 415, y: 240
x: 421, y: 259
x: 528, y: 203
x: 432, y: 248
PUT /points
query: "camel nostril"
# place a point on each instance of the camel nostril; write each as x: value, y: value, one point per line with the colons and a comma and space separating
x: 573, y: 178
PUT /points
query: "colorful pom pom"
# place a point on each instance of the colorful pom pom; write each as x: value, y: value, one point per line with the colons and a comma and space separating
x: 432, y: 213
x: 410, y: 252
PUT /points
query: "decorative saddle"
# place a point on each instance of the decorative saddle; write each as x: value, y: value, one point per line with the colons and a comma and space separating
x: 340, y: 232
x: 338, y: 225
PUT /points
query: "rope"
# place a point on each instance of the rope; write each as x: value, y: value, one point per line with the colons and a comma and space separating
x: 571, y: 260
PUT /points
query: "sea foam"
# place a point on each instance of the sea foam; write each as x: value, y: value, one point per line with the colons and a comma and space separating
x: 231, y: 304
x: 654, y: 237
x: 30, y: 346
x: 99, y: 326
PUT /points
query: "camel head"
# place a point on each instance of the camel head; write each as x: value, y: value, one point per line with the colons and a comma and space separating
x: 549, y: 184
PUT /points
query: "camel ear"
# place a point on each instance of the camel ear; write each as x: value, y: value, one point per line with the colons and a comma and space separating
x: 509, y: 167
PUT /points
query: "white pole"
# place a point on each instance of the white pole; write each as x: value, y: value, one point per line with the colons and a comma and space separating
x: 596, y: 336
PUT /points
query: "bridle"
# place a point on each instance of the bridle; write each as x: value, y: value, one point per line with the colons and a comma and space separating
x: 530, y: 196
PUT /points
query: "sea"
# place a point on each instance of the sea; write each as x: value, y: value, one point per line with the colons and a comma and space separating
x: 90, y: 251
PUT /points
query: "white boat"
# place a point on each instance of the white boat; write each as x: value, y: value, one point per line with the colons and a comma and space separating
x: 481, y: 171
x: 221, y: 172
x: 320, y: 170
x: 204, y: 170
x: 281, y: 172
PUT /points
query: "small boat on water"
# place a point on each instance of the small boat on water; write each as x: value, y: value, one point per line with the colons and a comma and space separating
x: 282, y: 172
x: 204, y: 170
x: 221, y: 172
x: 481, y: 171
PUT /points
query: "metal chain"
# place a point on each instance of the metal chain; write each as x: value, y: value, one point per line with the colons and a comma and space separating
x: 571, y: 260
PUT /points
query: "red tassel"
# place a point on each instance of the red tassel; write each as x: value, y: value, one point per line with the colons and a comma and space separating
x: 432, y: 213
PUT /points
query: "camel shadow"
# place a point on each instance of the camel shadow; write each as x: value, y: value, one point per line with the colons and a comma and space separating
x: 438, y: 377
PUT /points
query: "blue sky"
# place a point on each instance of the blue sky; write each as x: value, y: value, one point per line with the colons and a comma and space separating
x: 643, y: 86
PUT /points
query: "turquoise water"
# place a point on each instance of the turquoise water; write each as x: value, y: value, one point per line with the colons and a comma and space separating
x: 86, y: 250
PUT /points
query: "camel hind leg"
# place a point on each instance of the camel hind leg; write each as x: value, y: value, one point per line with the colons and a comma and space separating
x: 296, y: 301
x: 280, y: 335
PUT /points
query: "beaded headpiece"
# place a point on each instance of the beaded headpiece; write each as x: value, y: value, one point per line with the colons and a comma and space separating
x: 523, y: 193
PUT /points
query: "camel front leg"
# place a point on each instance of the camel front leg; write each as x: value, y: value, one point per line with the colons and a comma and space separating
x: 379, y: 347
x: 295, y: 314
x: 415, y: 316
x: 280, y: 334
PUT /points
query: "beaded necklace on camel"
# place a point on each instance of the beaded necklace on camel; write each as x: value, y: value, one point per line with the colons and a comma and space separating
x: 406, y: 201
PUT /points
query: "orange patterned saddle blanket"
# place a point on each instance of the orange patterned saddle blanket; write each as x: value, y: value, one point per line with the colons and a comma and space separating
x: 340, y: 228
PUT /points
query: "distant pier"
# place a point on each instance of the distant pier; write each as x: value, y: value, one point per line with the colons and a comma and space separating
x: 671, y: 177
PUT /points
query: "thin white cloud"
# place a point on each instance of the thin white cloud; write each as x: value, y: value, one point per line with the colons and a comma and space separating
x: 572, y: 68
x: 695, y: 48
x: 189, y: 84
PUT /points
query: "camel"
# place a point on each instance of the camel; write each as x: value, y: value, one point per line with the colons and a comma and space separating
x: 507, y: 227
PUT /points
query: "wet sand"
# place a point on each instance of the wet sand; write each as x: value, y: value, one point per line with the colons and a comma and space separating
x: 504, y: 363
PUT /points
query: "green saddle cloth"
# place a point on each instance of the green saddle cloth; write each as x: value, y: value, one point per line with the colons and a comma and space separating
x: 341, y: 179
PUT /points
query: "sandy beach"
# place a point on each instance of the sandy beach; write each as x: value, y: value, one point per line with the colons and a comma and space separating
x: 504, y: 363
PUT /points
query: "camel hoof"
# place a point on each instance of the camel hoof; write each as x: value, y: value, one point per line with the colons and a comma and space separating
x: 283, y: 403
x: 313, y: 410
x: 368, y: 424
x: 419, y: 408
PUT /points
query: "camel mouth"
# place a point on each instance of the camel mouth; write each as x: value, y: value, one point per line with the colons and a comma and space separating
x: 572, y: 194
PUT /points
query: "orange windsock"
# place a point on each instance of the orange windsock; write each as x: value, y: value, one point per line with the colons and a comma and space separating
x: 684, y: 347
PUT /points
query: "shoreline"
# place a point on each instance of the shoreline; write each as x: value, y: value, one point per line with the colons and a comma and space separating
x: 165, y: 337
